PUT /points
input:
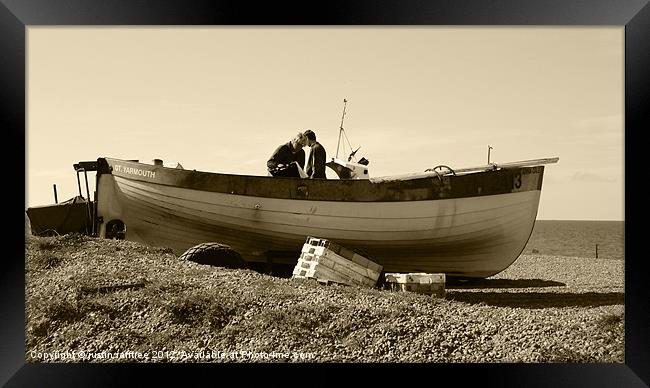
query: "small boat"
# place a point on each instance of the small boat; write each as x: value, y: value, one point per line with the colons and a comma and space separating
x: 70, y: 216
x: 470, y: 223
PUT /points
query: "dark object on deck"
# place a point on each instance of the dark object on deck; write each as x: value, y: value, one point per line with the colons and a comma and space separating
x: 70, y: 216
x: 215, y: 254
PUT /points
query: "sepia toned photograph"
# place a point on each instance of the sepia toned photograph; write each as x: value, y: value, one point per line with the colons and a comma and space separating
x: 314, y: 194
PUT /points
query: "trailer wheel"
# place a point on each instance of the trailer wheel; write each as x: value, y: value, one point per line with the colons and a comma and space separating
x: 215, y: 254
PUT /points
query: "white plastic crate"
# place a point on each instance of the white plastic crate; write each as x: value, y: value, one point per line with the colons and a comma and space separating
x: 422, y: 283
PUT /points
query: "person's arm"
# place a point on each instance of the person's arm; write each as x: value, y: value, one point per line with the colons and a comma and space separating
x: 273, y: 163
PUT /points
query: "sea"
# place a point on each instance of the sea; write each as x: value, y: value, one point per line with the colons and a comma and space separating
x: 596, y: 239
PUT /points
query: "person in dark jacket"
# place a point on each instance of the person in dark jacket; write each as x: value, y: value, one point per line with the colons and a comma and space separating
x: 315, y: 167
x: 287, y: 157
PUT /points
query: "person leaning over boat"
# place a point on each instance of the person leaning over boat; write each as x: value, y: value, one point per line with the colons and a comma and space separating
x: 287, y: 157
x: 315, y: 167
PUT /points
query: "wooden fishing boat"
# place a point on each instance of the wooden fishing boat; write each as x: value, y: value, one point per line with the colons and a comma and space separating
x: 467, y: 223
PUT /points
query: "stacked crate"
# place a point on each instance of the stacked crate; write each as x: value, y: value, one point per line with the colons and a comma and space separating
x: 423, y: 283
x: 326, y: 261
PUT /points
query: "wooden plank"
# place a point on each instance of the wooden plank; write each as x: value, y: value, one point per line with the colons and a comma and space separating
x: 486, y: 167
x: 333, y: 268
x: 318, y: 245
x: 337, y: 262
x: 342, y: 256
x: 347, y: 271
x: 325, y: 274
x: 522, y: 163
x: 323, y: 266
x: 332, y: 260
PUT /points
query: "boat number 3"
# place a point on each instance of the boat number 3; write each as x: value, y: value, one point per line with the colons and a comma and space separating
x: 517, y: 180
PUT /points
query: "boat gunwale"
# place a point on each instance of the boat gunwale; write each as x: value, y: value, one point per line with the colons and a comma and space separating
x: 476, y: 184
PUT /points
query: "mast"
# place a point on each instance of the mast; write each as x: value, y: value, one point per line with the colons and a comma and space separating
x: 341, y: 128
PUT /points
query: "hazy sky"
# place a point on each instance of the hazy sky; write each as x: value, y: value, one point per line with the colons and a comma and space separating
x: 221, y: 99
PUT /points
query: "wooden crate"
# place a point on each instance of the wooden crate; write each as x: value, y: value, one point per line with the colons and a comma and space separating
x: 312, y: 270
x: 319, y: 245
x: 418, y: 277
x: 320, y: 268
x: 422, y: 283
x: 341, y: 264
x: 319, y: 262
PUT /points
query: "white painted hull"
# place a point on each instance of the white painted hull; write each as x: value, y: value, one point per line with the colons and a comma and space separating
x: 470, y: 236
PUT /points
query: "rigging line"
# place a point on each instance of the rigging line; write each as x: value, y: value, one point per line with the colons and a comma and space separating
x: 340, y: 144
x: 350, y: 145
x: 345, y: 102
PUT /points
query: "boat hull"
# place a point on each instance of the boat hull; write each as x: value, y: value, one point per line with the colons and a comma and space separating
x: 470, y: 226
x: 72, y: 216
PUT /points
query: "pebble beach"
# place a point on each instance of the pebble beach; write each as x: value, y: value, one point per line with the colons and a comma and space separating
x: 95, y: 300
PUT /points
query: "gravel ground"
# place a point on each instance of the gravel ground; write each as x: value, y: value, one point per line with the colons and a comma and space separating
x: 94, y: 300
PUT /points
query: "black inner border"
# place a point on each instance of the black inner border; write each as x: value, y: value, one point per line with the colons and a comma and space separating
x: 17, y: 15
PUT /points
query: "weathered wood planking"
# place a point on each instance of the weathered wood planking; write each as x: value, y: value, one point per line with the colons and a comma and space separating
x: 320, y: 261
